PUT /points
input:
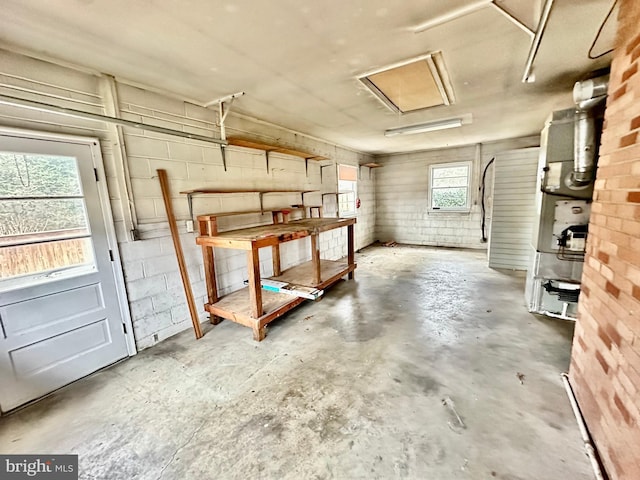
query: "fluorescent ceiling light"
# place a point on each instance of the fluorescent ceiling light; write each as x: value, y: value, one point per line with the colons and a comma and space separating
x: 424, y: 127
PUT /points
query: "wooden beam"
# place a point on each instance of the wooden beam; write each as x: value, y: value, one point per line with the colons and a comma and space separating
x: 351, y: 258
x: 275, y: 253
x: 255, y: 288
x: 315, y: 258
x: 210, y: 279
x: 166, y: 196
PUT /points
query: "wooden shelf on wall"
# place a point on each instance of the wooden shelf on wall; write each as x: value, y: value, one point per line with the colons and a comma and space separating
x: 268, y: 148
x: 243, y: 190
x: 370, y: 166
x: 241, y: 142
x: 260, y: 192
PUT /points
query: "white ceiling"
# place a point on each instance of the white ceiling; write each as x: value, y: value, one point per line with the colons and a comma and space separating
x: 297, y: 60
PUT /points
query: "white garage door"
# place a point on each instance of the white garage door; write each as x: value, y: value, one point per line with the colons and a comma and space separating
x: 60, y: 314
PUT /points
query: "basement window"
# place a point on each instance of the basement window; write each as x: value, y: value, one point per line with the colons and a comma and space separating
x: 347, y: 190
x: 449, y: 186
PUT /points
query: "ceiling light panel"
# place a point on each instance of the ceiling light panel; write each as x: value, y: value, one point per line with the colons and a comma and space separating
x: 412, y: 85
x: 425, y: 127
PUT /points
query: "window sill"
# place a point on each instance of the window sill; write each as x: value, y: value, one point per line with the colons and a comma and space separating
x: 444, y: 210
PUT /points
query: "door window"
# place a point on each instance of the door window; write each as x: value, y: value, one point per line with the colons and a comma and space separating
x: 44, y: 230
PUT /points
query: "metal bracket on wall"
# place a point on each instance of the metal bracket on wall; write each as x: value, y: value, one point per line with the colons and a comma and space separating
x: 266, y: 157
x: 224, y: 107
x: 190, y: 203
x: 324, y: 166
x: 224, y: 157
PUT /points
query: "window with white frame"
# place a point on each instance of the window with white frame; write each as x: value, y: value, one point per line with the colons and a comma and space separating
x: 347, y: 190
x: 449, y: 186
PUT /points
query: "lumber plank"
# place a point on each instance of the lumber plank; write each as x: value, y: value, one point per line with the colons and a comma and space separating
x: 186, y: 283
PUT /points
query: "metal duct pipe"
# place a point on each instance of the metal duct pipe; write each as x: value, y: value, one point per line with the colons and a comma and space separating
x: 587, y: 95
x: 584, y: 147
x: 590, y: 89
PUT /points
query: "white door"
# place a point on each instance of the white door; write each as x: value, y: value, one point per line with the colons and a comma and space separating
x: 514, y: 208
x: 60, y: 315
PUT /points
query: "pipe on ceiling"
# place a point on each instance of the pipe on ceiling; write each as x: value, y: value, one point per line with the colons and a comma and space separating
x: 452, y: 15
x: 535, y: 44
x: 513, y: 19
x: 466, y: 10
x: 71, y: 112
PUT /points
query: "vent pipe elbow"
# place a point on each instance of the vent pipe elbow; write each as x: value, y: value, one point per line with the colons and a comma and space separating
x: 587, y: 95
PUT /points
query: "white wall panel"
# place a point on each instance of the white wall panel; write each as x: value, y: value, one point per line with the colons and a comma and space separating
x: 514, y: 210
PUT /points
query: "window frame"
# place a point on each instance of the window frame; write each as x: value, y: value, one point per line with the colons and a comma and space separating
x: 464, y: 209
x: 353, y: 211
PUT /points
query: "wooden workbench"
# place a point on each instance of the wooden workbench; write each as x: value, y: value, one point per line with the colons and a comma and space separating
x: 252, y: 306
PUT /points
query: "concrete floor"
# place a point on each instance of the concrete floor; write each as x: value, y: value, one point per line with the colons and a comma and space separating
x: 362, y: 384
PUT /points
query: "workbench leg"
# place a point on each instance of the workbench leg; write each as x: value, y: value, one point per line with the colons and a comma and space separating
x: 315, y: 258
x: 210, y: 279
x: 259, y: 333
x: 275, y: 253
x: 351, y: 258
x: 255, y: 287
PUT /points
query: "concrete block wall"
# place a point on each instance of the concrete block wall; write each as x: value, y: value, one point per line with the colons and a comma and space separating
x: 157, y: 303
x: 402, y: 209
x: 605, y: 363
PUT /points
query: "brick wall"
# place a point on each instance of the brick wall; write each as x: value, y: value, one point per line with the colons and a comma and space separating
x: 605, y: 365
x: 402, y: 209
x: 157, y: 305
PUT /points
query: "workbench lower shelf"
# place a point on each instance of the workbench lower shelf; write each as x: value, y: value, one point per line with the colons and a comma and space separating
x: 237, y: 305
x: 330, y: 272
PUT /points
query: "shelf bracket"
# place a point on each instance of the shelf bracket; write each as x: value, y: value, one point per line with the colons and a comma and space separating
x: 260, y: 194
x: 324, y: 166
x: 224, y: 157
x: 306, y: 166
x: 266, y: 157
x: 223, y: 111
x: 190, y: 203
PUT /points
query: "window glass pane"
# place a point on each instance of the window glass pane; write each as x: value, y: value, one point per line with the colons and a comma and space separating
x: 346, y: 172
x: 449, y: 197
x: 450, y: 182
x: 48, y: 257
x: 20, y: 217
x: 444, y: 172
x: 26, y: 175
x: 41, y: 210
x: 347, y: 197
